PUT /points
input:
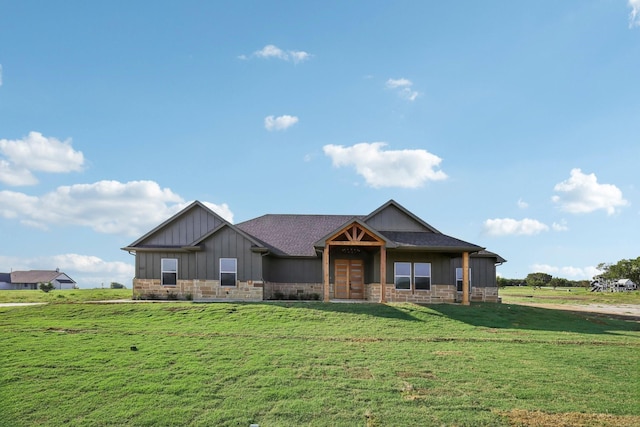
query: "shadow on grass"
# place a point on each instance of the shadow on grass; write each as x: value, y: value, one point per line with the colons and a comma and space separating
x: 507, y: 316
x: 365, y: 309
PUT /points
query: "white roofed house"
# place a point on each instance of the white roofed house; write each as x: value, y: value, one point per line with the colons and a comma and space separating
x: 33, y: 278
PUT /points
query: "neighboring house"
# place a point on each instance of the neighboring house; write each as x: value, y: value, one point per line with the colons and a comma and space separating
x: 387, y: 255
x: 31, y: 279
x: 627, y: 284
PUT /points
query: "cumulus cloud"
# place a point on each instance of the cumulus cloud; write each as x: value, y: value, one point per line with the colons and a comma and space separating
x: 273, y: 51
x: 403, y: 88
x: 568, y: 272
x: 634, y: 15
x: 36, y: 153
x: 509, y: 226
x: 522, y: 204
x: 581, y: 193
x: 112, y: 207
x: 87, y: 270
x: 560, y: 226
x: 391, y: 168
x: 272, y: 123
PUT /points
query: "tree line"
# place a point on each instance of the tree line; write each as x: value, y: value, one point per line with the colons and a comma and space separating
x: 623, y: 269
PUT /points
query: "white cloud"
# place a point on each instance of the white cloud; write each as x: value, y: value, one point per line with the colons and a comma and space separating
x: 509, y: 226
x: 392, y: 168
x: 112, y: 207
x: 567, y: 272
x: 273, y: 51
x: 272, y: 123
x: 522, y: 204
x: 87, y: 270
x: 634, y: 15
x: 560, y: 226
x: 581, y: 193
x: 36, y: 153
x: 404, y: 88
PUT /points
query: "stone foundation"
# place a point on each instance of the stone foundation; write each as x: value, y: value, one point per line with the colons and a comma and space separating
x: 197, y: 290
x: 290, y: 291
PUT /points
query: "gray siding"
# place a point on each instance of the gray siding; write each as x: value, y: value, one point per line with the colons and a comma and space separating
x: 186, y: 229
x: 293, y: 270
x: 205, y: 265
x: 440, y: 265
x: 483, y: 271
x: 393, y: 219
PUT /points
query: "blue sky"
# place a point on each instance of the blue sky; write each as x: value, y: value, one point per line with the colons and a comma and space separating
x: 512, y: 125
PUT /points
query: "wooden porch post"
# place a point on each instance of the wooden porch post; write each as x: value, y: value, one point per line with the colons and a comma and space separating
x: 383, y: 273
x: 465, y: 278
x: 325, y: 272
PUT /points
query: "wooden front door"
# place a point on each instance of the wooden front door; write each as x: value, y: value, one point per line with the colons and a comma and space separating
x: 349, y: 279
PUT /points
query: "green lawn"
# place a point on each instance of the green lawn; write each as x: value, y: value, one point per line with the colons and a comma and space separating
x: 65, y: 296
x: 582, y: 296
x: 287, y: 364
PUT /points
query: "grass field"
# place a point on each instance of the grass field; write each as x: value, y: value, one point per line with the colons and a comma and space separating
x: 286, y: 364
x: 516, y: 294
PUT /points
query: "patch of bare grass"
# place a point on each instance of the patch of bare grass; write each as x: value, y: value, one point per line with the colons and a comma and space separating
x: 524, y: 418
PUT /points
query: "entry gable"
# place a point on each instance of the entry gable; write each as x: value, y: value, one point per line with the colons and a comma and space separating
x: 185, y: 227
x: 393, y: 217
x: 354, y: 233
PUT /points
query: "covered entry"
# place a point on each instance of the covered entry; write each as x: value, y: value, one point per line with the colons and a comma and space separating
x: 349, y: 273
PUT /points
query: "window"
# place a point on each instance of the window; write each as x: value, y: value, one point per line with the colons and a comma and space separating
x: 459, y: 278
x: 228, y: 271
x: 169, y: 267
x: 422, y: 276
x: 402, y: 275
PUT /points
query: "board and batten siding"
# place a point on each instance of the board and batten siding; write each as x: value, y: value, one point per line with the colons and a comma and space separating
x: 205, y: 264
x: 185, y: 230
x: 440, y: 265
x: 393, y: 219
x: 483, y: 271
x: 293, y: 270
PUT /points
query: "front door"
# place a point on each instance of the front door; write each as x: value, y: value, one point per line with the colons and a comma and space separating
x: 349, y: 279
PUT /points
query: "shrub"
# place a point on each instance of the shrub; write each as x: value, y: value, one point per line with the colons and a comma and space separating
x: 46, y: 287
x: 188, y: 297
x: 171, y: 296
x: 278, y: 295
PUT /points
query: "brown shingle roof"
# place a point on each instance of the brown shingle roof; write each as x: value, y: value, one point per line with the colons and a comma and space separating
x: 428, y: 240
x: 293, y: 235
x: 34, y: 276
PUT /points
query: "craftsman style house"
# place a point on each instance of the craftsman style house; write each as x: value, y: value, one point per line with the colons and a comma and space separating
x: 388, y: 255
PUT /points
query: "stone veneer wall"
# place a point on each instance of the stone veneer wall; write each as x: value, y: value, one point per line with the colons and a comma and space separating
x: 437, y: 294
x: 484, y: 294
x: 289, y: 289
x: 198, y: 290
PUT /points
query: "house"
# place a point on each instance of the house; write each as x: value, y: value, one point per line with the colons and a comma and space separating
x: 31, y: 279
x: 387, y: 255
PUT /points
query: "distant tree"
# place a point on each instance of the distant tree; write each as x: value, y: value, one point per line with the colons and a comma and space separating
x: 623, y: 269
x: 538, y: 279
x: 558, y: 282
x: 116, y: 285
x: 46, y: 287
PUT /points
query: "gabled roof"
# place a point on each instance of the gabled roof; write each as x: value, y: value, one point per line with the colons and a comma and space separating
x: 256, y: 243
x: 36, y: 276
x: 5, y: 277
x: 175, y: 217
x: 293, y: 235
x: 354, y: 220
x: 403, y: 210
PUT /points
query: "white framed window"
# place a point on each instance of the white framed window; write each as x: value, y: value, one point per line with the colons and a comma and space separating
x: 228, y: 271
x: 459, y: 279
x: 402, y: 275
x: 422, y: 276
x: 169, y: 271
